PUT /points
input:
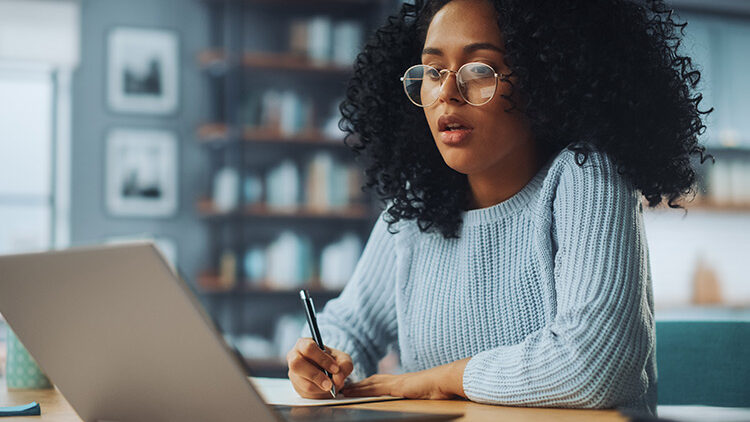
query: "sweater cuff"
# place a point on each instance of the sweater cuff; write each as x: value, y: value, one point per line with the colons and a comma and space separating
x: 472, y: 374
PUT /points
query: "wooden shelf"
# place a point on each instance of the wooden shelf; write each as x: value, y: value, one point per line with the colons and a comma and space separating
x: 207, y: 209
x: 701, y: 205
x: 216, y: 134
x: 218, y: 60
x: 741, y: 149
x: 209, y: 283
x: 291, y: 62
x: 287, y: 3
x: 213, y: 132
x: 310, y: 136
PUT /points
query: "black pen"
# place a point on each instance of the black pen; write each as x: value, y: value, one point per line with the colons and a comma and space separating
x: 312, y: 321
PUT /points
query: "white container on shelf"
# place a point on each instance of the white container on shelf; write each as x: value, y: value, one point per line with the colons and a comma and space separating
x: 226, y: 189
x: 317, y: 188
x: 742, y: 180
x: 270, y: 109
x: 319, y: 38
x: 292, y: 113
x: 289, y: 261
x: 347, y: 40
x: 282, y: 186
x: 338, y: 261
x: 287, y: 332
x: 719, y: 182
x: 252, y: 189
x: 339, y: 186
x: 254, y: 264
x: 736, y: 175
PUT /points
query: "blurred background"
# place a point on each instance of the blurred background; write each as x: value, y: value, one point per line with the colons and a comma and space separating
x: 210, y: 127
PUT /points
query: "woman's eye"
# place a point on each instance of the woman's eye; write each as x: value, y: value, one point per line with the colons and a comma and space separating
x: 481, y: 70
x: 433, y: 74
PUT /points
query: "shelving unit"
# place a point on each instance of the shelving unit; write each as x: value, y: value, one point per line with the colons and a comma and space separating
x: 250, y: 52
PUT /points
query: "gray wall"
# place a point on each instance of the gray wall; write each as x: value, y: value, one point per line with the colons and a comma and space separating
x: 90, y: 222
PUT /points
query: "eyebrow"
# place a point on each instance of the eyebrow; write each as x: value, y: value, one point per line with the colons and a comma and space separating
x: 467, y: 49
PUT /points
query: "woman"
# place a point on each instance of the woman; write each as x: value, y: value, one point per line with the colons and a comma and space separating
x: 511, y: 266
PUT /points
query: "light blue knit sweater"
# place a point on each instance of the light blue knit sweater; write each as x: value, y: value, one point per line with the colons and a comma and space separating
x: 548, y: 292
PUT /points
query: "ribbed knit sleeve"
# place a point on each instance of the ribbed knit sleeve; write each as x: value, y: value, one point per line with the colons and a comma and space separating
x: 593, y: 352
x: 362, y: 320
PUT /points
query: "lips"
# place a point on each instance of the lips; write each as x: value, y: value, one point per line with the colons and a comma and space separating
x: 452, y: 120
x: 454, y: 131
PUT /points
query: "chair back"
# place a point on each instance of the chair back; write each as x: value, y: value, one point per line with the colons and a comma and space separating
x: 703, y: 363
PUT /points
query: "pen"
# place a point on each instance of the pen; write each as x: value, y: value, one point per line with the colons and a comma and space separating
x: 312, y: 321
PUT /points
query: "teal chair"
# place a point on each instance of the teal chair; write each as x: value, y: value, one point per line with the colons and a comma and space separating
x: 703, y: 363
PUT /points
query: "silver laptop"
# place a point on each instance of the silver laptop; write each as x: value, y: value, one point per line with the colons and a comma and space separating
x: 124, y: 339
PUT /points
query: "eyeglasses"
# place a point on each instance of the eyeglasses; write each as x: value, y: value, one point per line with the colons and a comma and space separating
x: 477, y: 83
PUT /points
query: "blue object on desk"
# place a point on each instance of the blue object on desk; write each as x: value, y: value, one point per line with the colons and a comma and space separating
x: 31, y: 409
x: 703, y: 363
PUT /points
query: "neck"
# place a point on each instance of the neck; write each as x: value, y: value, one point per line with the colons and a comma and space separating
x: 506, y: 178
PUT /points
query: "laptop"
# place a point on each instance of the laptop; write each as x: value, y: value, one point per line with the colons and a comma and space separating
x: 124, y: 339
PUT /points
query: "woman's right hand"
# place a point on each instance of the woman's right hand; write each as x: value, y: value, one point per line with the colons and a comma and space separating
x: 305, y: 361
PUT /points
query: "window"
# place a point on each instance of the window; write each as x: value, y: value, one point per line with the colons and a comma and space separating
x: 27, y: 101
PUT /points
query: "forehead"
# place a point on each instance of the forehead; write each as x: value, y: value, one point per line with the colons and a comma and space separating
x: 463, y: 22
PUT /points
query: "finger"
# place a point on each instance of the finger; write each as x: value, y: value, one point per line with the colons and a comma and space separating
x: 303, y: 368
x: 310, y: 350
x: 344, y: 361
x: 307, y: 389
x: 341, y: 357
x: 339, y: 380
x: 345, y: 368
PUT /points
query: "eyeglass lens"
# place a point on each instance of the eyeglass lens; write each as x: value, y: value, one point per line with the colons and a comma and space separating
x: 476, y: 83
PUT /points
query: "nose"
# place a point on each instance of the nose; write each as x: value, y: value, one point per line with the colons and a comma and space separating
x: 449, y: 89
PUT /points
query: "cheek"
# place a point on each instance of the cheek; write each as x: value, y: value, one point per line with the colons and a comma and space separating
x: 431, y: 115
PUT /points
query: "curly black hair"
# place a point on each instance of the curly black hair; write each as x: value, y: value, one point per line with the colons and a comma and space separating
x: 594, y: 75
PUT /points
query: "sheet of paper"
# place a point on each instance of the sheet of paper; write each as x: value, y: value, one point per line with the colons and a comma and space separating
x: 279, y: 391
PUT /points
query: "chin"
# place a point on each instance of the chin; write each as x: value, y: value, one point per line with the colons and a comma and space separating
x: 460, y: 161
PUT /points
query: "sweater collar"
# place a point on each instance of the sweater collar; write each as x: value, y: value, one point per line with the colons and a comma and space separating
x: 511, y: 205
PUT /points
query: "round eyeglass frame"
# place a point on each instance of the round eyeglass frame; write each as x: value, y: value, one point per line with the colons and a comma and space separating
x: 441, y: 72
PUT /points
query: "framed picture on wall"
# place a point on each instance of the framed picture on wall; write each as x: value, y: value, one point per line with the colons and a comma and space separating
x: 141, y: 173
x: 142, y: 70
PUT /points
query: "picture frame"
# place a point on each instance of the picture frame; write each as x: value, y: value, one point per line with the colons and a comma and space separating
x: 143, y: 71
x: 141, y: 173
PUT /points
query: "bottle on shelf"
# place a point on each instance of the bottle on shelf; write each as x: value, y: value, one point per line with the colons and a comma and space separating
x: 227, y: 270
x: 225, y: 189
x: 338, y: 260
x: 282, y: 186
x: 289, y: 260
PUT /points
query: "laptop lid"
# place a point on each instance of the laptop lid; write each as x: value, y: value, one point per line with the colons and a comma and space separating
x: 121, y: 339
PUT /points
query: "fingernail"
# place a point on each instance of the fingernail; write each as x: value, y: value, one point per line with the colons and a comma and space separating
x: 327, y: 384
x: 334, y: 368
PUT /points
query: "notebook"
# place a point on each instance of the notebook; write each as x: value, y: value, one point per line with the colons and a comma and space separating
x: 279, y: 392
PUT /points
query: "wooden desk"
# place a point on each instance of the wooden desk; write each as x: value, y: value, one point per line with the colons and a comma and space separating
x: 56, y: 408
